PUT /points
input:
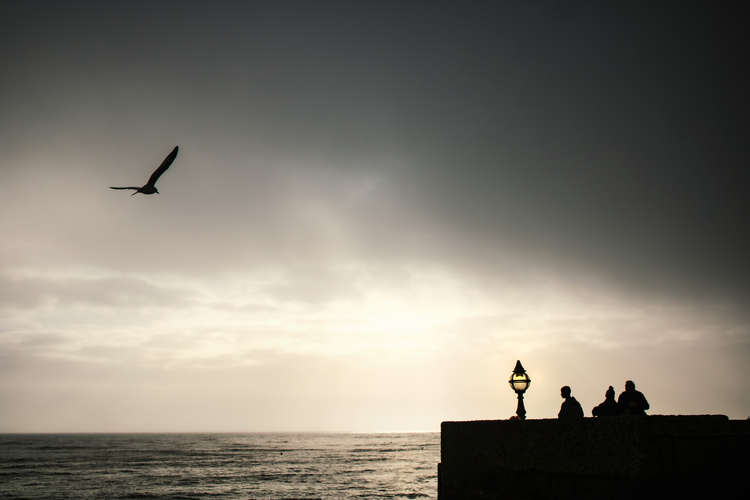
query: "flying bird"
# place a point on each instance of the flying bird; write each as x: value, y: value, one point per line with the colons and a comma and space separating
x: 150, y: 186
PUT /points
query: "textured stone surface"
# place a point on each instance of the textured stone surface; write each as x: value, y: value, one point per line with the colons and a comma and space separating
x: 619, y: 457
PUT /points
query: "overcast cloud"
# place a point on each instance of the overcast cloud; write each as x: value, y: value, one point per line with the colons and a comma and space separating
x: 376, y: 209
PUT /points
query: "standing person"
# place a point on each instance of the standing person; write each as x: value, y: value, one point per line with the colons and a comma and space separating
x: 609, y: 407
x: 632, y: 402
x: 570, y: 408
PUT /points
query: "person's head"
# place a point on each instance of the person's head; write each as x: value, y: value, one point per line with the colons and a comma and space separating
x: 565, y: 391
x: 610, y: 394
x: 629, y: 385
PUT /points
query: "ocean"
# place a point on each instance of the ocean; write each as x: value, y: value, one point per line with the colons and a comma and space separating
x: 191, y: 466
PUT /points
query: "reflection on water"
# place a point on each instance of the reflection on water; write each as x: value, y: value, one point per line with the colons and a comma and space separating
x: 220, y: 465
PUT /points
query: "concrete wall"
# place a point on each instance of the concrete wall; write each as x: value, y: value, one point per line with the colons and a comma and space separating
x: 618, y: 457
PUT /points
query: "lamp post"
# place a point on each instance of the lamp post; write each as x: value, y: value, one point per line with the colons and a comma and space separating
x: 519, y: 382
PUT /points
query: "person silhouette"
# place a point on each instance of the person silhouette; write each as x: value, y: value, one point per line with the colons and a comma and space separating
x: 632, y: 402
x: 609, y: 407
x: 570, y: 408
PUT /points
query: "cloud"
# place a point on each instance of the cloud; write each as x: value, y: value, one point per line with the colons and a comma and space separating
x: 17, y: 290
x: 456, y: 189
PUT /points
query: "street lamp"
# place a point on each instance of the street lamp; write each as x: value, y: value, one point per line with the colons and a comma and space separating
x: 519, y: 382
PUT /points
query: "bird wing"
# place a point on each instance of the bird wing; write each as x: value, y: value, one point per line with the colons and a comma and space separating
x: 164, y: 166
x: 128, y: 187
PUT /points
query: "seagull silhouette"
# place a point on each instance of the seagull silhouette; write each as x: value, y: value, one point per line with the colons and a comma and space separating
x: 150, y: 186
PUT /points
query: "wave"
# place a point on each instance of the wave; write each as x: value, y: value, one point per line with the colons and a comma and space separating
x: 220, y: 466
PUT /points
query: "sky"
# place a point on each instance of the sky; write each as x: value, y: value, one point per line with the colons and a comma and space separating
x: 377, y: 208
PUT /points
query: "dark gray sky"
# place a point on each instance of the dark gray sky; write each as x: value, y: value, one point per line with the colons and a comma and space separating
x: 377, y: 208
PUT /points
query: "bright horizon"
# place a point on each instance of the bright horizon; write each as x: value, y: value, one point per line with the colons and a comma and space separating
x: 375, y: 211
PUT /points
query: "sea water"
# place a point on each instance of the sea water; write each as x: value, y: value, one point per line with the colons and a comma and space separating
x: 219, y: 465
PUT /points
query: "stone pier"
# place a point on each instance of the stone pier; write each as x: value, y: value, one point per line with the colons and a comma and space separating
x: 606, y: 458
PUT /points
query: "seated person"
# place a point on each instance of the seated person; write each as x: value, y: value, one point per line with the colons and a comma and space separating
x: 632, y: 402
x: 570, y: 409
x: 609, y: 407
